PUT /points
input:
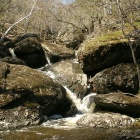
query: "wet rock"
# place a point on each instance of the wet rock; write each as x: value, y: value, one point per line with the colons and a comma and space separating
x: 105, y: 120
x: 30, y: 51
x: 97, y: 54
x: 122, y: 77
x: 124, y: 103
x: 57, y: 52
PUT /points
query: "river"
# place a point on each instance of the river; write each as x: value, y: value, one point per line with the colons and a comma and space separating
x: 51, y: 133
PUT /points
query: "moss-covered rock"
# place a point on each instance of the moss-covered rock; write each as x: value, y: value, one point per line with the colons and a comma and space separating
x: 105, y: 51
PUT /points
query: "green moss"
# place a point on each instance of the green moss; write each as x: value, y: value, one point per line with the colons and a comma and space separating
x: 106, y: 39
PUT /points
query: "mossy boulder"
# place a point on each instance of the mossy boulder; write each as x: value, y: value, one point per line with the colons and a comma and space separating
x: 105, y: 51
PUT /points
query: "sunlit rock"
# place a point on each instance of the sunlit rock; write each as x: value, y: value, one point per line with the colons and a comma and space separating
x: 105, y: 120
x: 71, y: 75
x: 57, y: 52
x: 20, y: 117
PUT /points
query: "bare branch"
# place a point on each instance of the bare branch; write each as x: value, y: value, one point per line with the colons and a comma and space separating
x: 19, y: 20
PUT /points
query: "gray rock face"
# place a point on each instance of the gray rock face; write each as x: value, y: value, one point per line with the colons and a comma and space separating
x: 119, y: 102
x: 122, y: 77
x: 69, y: 74
x: 105, y: 120
x: 57, y: 52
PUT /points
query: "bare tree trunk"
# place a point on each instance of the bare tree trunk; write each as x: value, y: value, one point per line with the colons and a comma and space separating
x: 18, y: 21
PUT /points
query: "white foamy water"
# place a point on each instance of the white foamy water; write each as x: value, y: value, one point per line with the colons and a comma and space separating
x: 46, y: 50
x: 11, y: 50
x: 63, y: 123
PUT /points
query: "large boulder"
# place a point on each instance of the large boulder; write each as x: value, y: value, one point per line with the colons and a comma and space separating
x: 123, y: 103
x: 106, y: 51
x: 55, y: 52
x: 105, y: 120
x: 23, y: 86
x: 122, y: 77
x: 30, y: 51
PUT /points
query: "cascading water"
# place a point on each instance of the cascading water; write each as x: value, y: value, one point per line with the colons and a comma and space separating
x: 46, y: 53
x: 86, y: 105
x: 11, y: 50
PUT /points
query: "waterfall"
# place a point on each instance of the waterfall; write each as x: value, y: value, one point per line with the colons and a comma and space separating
x: 48, y: 60
x: 86, y: 105
x: 11, y: 50
x: 46, y: 50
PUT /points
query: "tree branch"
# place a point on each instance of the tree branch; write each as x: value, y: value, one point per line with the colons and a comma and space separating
x: 19, y: 20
